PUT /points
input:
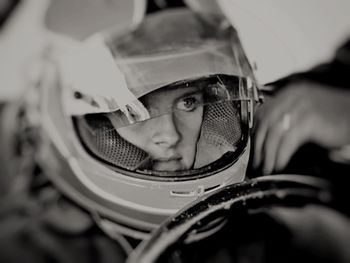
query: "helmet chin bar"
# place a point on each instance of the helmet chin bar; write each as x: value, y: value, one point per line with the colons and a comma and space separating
x: 129, y: 219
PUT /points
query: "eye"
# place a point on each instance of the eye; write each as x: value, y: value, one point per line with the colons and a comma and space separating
x: 189, y: 103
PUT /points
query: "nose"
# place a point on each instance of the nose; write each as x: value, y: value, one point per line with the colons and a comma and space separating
x: 165, y: 131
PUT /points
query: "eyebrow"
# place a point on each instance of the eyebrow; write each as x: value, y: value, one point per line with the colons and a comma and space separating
x: 188, y: 93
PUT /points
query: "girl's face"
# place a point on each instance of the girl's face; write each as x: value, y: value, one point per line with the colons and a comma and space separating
x: 170, y: 138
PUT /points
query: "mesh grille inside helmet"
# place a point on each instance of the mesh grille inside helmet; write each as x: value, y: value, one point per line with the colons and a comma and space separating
x: 221, y: 128
x: 222, y: 124
x: 103, y: 141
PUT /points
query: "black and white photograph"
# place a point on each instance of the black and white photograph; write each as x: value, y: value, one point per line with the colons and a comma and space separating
x: 175, y: 131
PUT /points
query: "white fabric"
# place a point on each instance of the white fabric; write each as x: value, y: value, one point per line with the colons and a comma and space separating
x: 90, y: 69
x: 21, y: 41
x: 27, y: 33
x: 287, y: 36
x: 79, y: 19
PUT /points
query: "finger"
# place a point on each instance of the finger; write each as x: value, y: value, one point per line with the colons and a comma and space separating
x: 266, y: 118
x: 258, y: 140
x: 275, y: 107
x: 271, y: 143
x: 277, y: 132
x: 292, y: 141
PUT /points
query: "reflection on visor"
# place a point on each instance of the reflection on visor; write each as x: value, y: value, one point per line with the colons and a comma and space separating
x: 181, y: 97
x: 186, y: 127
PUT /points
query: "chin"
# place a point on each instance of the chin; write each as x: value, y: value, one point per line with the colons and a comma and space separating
x: 170, y: 166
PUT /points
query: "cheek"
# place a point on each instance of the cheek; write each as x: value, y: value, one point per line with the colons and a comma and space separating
x: 136, y: 135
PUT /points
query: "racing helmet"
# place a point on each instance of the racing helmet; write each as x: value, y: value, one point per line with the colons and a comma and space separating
x: 135, y: 126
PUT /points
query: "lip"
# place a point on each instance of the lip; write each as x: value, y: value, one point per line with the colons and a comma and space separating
x: 169, y: 159
x: 168, y: 164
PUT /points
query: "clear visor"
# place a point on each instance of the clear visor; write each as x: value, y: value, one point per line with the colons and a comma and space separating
x: 110, y: 84
x: 182, y: 99
x: 185, y: 128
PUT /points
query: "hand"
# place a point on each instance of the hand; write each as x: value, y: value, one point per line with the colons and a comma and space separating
x: 304, y: 111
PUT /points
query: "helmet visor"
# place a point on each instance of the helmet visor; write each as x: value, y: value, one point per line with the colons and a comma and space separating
x: 184, y: 127
x: 182, y: 98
